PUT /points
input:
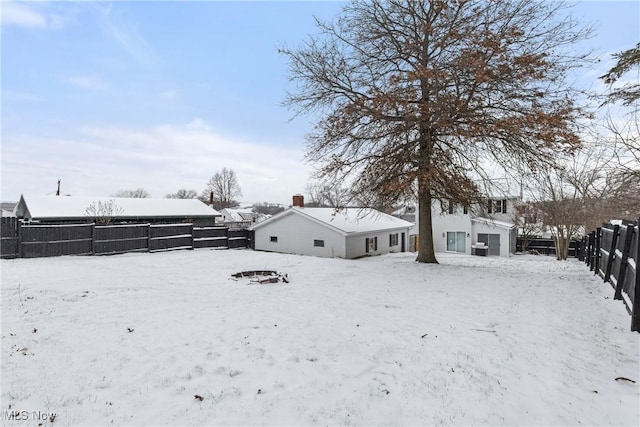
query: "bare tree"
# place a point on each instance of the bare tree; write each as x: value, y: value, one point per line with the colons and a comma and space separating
x: 327, y: 194
x: 138, y: 193
x: 103, y: 212
x: 622, y: 127
x: 582, y: 192
x: 225, y: 189
x: 528, y: 219
x: 427, y: 94
x: 267, y: 208
x: 183, y: 193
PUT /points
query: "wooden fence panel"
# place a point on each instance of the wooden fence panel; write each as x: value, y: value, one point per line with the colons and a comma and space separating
x: 608, y: 241
x: 170, y: 236
x: 115, y: 239
x: 616, y: 252
x: 31, y: 240
x: 210, y: 237
x: 237, y: 238
x: 632, y: 287
x: 626, y: 261
x: 548, y: 246
x: 9, y: 239
x: 56, y: 240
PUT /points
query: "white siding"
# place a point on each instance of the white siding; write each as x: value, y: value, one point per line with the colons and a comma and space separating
x: 296, y: 235
x: 505, y: 235
x: 356, y: 245
x: 445, y: 222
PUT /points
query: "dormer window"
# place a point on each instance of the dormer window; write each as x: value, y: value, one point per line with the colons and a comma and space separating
x: 497, y: 206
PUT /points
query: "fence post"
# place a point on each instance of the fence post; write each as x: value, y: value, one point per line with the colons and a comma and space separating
x: 20, y: 251
x: 635, y: 313
x: 148, y: 237
x: 592, y: 244
x: 598, y: 245
x: 612, y: 252
x: 193, y: 245
x: 624, y: 261
x: 593, y: 249
x: 93, y: 238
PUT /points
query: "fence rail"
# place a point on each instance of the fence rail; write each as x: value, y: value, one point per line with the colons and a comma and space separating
x: 611, y: 251
x: 20, y: 240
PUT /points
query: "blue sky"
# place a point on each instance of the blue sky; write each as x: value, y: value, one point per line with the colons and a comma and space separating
x: 161, y: 95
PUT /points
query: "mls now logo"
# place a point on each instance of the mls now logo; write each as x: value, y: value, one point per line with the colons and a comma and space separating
x: 13, y: 415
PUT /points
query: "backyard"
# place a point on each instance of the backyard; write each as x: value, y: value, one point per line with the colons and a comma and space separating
x: 171, y: 339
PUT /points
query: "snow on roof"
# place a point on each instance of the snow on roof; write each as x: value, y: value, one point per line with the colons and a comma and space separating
x: 489, y: 221
x: 38, y: 207
x: 232, y: 215
x: 347, y: 220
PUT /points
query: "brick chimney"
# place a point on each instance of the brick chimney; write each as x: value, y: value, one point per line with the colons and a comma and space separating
x: 211, y: 198
x: 298, y: 200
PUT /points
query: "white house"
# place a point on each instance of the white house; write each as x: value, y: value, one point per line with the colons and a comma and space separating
x: 65, y: 209
x: 458, y: 229
x: 240, y: 217
x: 327, y: 232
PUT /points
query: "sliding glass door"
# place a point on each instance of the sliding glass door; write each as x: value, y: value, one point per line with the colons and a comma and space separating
x: 456, y: 241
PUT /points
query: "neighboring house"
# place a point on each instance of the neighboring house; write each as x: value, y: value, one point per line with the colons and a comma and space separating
x: 327, y: 232
x: 456, y: 228
x: 7, y: 209
x: 240, y: 218
x: 408, y: 213
x: 72, y: 209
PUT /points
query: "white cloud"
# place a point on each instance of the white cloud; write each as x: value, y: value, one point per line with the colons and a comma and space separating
x: 87, y: 82
x: 161, y: 159
x: 33, y: 15
x: 198, y: 124
x: 169, y: 95
x: 126, y: 33
x: 22, y: 15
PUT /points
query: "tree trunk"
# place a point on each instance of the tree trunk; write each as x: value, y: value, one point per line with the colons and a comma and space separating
x: 426, y: 252
x: 562, y: 247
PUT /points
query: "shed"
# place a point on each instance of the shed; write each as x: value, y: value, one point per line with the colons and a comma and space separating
x: 72, y: 209
x: 332, y: 233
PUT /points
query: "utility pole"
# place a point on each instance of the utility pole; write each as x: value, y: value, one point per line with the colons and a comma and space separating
x: 58, y: 192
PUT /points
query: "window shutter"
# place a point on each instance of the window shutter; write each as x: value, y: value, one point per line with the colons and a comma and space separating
x: 489, y: 206
x: 366, y: 245
x: 375, y: 243
x: 504, y: 206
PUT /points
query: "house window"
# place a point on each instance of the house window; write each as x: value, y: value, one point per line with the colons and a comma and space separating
x: 456, y: 241
x: 501, y: 206
x: 274, y: 239
x: 393, y: 239
x: 451, y: 206
x: 465, y: 210
x: 497, y: 206
x: 318, y: 243
x: 371, y: 244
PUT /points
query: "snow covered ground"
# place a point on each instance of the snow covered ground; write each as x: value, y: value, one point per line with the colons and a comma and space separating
x: 132, y: 339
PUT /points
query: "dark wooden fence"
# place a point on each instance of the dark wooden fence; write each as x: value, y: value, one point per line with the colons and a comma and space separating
x: 21, y: 240
x: 612, y: 252
x: 548, y: 246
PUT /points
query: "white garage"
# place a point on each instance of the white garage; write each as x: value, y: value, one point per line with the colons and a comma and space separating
x: 331, y: 233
